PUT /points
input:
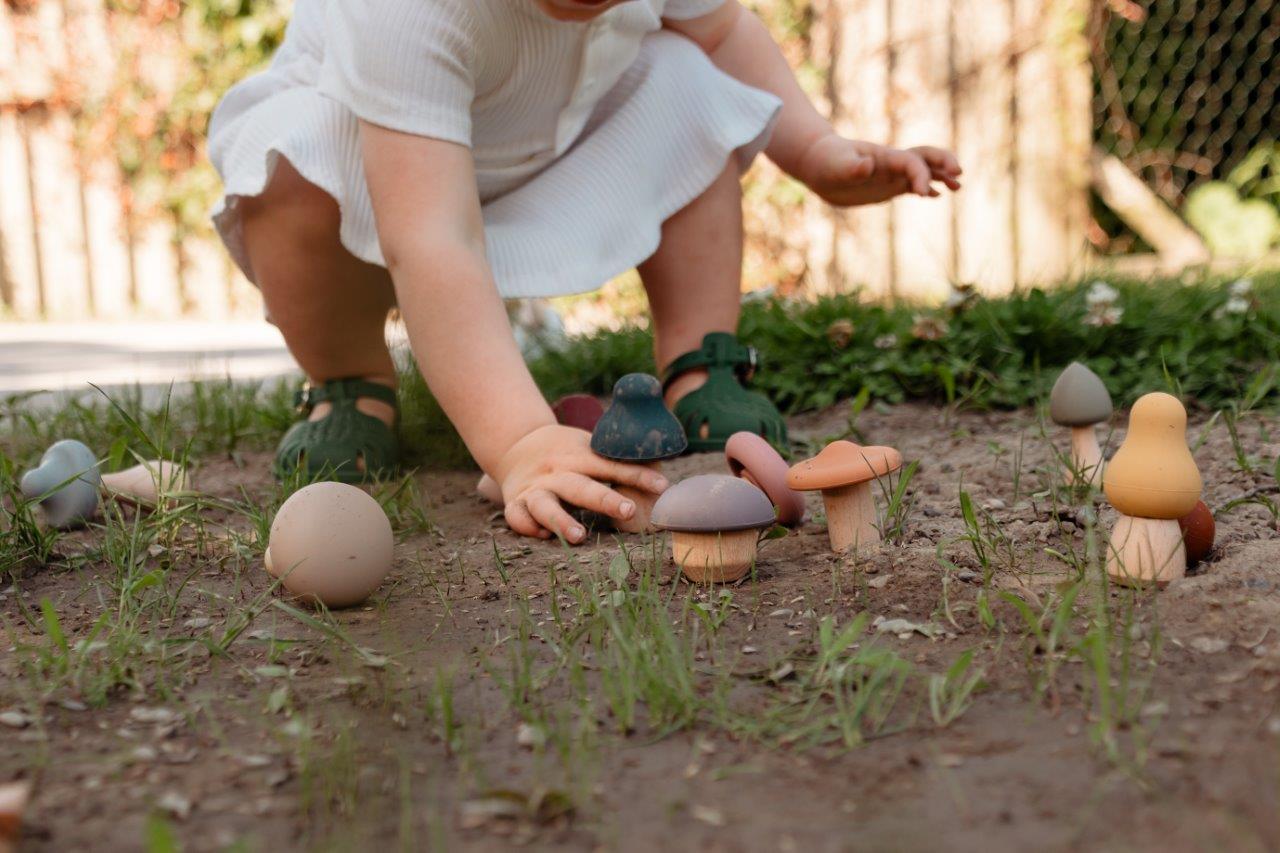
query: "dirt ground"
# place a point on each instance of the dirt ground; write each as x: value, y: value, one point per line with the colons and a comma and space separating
x: 215, y: 750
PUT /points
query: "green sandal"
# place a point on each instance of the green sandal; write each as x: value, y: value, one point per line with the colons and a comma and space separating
x: 332, y: 447
x: 722, y: 406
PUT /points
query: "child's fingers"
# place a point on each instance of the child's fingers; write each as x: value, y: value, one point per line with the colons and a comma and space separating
x: 547, y: 510
x: 950, y: 182
x: 522, y: 521
x: 940, y: 160
x: 580, y: 490
x: 636, y: 476
x: 912, y: 167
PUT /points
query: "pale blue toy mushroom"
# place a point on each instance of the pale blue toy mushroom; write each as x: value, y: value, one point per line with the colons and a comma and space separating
x: 65, y: 483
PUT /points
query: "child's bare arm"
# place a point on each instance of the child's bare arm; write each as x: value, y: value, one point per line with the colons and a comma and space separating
x: 804, y: 145
x: 432, y: 235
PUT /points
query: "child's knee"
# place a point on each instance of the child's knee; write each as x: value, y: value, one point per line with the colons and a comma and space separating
x: 292, y: 204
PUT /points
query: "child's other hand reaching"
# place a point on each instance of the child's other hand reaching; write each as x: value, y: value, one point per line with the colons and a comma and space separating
x: 845, y: 172
x: 555, y: 464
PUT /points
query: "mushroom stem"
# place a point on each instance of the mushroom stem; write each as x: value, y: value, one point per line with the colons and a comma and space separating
x: 714, y: 557
x: 851, y: 517
x: 1145, y: 551
x: 1086, y: 456
x: 644, y: 501
x: 145, y: 484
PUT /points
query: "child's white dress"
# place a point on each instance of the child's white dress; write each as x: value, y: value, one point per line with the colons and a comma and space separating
x: 586, y: 136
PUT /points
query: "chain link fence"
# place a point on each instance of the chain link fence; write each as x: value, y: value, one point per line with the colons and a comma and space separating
x: 1185, y: 93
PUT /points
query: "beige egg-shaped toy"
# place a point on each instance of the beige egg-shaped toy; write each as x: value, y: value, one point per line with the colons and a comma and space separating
x: 330, y: 542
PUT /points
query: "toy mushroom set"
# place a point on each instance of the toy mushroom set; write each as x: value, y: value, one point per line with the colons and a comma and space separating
x: 330, y: 543
x: 715, y: 520
x: 1152, y: 480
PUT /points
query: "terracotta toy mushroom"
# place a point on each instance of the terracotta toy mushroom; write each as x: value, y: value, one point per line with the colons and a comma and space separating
x: 14, y: 797
x: 844, y: 473
x: 1153, y: 481
x: 715, y: 522
x: 759, y: 463
x: 65, y: 483
x: 638, y: 427
x: 1080, y: 401
x: 330, y: 542
x: 146, y: 483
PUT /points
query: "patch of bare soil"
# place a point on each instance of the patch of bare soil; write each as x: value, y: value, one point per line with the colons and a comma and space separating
x: 357, y: 752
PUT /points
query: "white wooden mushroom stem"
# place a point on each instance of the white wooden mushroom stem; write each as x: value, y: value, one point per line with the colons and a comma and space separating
x: 1145, y: 551
x: 1086, y: 456
x: 851, y: 517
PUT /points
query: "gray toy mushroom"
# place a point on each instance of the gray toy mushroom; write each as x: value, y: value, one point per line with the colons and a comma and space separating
x: 715, y: 523
x: 65, y: 484
x: 1080, y: 401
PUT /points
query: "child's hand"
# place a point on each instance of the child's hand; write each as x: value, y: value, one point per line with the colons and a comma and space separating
x: 845, y: 172
x: 555, y: 463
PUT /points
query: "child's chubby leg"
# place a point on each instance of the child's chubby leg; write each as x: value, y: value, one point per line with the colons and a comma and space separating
x: 694, y: 283
x: 330, y: 306
x: 694, y: 279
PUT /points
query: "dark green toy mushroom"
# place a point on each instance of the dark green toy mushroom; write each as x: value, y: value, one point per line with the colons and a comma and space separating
x: 638, y: 427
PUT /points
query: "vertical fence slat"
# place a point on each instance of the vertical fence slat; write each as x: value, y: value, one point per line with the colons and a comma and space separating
x: 1051, y: 210
x: 983, y: 86
x: 863, y: 249
x: 154, y: 267
x: 108, y: 242
x: 16, y: 220
x: 57, y: 200
x: 921, y: 108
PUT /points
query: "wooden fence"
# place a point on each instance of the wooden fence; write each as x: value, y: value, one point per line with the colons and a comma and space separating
x: 70, y: 245
x: 1004, y: 82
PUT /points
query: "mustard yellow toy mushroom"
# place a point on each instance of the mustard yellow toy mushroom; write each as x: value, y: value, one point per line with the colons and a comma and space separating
x: 1080, y: 401
x: 844, y: 472
x: 1153, y: 482
x: 715, y: 522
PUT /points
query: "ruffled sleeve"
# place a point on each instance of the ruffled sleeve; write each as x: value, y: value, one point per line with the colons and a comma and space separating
x: 683, y: 10
x: 407, y: 65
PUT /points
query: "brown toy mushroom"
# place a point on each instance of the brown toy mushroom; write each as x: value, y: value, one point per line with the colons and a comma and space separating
x: 1153, y: 481
x: 756, y: 461
x: 1080, y: 401
x: 715, y: 522
x: 1198, y: 531
x: 844, y: 472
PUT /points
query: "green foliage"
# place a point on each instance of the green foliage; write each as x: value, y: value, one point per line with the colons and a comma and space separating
x: 990, y: 353
x: 1232, y: 226
x: 151, y: 117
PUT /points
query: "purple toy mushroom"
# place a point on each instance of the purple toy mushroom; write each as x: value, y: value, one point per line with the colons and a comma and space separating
x: 715, y: 522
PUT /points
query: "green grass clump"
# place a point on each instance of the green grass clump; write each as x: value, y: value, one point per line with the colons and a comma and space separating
x: 1202, y: 340
x: 1210, y: 342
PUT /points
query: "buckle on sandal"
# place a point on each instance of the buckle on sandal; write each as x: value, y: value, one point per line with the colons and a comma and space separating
x: 302, y: 399
x: 748, y: 370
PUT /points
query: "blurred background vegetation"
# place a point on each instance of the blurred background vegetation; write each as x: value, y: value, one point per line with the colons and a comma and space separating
x: 1182, y: 94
